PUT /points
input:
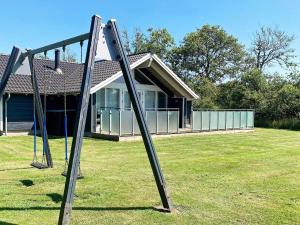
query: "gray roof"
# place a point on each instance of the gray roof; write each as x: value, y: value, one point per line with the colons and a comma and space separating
x: 54, y: 82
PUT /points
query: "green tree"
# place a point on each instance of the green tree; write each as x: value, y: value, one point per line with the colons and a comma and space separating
x: 286, y: 102
x: 139, y: 41
x: 208, y: 52
x: 69, y: 56
x: 247, y: 93
x: 158, y: 41
x: 208, y: 92
x: 126, y: 41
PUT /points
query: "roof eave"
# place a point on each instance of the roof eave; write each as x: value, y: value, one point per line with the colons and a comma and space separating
x: 176, y: 78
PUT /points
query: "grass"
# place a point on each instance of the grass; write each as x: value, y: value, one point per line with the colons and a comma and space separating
x: 246, y: 178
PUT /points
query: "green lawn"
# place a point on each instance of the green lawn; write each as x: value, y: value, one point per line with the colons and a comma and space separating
x: 247, y: 178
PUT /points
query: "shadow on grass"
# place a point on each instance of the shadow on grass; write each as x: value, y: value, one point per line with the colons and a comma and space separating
x: 6, y: 223
x: 55, y: 197
x: 27, y: 183
x: 50, y: 137
x: 133, y: 208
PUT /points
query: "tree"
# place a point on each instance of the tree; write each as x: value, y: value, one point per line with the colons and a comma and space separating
x: 208, y: 52
x: 126, y: 42
x: 139, y: 41
x: 207, y: 91
x: 158, y: 41
x: 272, y: 46
x: 41, y: 56
x: 69, y: 56
x: 247, y: 93
x: 286, y: 102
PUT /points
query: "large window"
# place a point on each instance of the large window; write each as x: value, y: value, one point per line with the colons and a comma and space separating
x: 113, y: 98
x: 150, y: 100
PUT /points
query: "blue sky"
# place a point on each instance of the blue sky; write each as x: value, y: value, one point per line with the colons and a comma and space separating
x: 32, y: 23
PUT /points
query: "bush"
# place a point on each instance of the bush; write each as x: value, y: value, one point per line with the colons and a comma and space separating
x: 287, y: 123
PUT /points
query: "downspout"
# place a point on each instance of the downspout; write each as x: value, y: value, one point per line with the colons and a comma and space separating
x: 5, y: 111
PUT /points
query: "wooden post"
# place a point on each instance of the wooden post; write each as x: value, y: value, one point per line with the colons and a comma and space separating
x: 66, y: 206
x: 39, y: 110
x: 137, y: 107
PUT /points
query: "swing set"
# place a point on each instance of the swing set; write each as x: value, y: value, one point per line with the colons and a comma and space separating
x: 104, y: 42
x: 43, y: 165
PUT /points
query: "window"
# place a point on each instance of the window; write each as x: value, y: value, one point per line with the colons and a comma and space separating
x: 150, y: 100
x: 127, y: 102
x: 140, y: 95
x: 112, y: 98
x: 162, y: 100
x: 100, y: 99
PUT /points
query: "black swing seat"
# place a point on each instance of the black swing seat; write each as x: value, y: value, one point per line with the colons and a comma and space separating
x: 39, y: 165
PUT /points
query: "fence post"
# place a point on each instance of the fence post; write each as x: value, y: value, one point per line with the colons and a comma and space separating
x: 201, y: 117
x: 100, y: 121
x: 120, y: 123
x: 209, y: 120
x: 109, y: 128
x: 192, y: 122
x: 225, y: 120
x: 240, y: 119
x: 132, y: 121
x: 253, y: 118
x: 218, y: 119
x: 168, y: 122
x: 247, y: 119
x: 233, y: 120
x: 178, y: 121
x: 156, y: 122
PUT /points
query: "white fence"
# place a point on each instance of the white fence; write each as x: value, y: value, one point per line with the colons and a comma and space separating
x: 123, y: 122
x: 166, y: 121
x: 207, y: 120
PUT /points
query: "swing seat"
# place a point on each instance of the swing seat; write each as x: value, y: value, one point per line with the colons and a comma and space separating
x: 39, y: 165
